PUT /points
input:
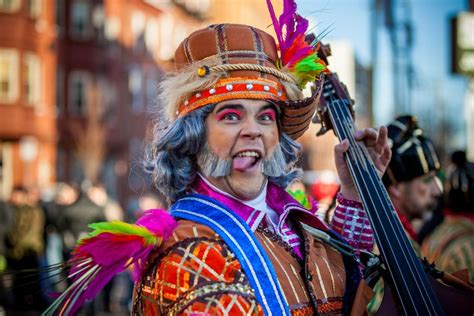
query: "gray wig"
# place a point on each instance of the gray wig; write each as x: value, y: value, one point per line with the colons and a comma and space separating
x: 171, y: 158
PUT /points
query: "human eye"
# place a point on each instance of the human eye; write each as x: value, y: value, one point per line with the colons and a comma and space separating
x: 267, y: 116
x: 228, y: 115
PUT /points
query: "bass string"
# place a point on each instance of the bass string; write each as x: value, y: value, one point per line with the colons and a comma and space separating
x: 344, y: 131
x: 418, y: 276
x: 382, y: 195
x: 340, y: 131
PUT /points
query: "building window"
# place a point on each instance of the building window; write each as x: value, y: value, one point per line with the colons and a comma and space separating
x: 108, y: 99
x: 9, y: 6
x: 98, y: 20
x: 80, y: 27
x: 79, y: 87
x: 135, y: 82
x: 166, y: 27
x: 112, y: 28
x: 32, y: 79
x: 59, y: 95
x: 137, y: 26
x: 6, y: 169
x: 8, y: 75
x: 151, y: 89
x: 60, y: 16
x: 152, y: 35
x: 34, y: 8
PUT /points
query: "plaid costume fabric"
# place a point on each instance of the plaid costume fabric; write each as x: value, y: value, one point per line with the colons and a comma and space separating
x: 198, y: 274
x: 195, y: 273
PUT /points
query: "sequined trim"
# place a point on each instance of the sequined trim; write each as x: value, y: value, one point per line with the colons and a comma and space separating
x: 214, y: 288
x: 302, y: 310
x: 234, y: 88
x: 331, y: 305
x: 277, y: 238
x: 346, y: 202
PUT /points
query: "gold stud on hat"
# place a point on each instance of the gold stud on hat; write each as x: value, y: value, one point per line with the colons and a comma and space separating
x: 203, y: 71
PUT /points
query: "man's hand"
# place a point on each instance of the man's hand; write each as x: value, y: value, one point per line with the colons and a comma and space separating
x: 379, y: 150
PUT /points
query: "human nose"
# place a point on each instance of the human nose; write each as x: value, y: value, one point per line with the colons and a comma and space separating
x: 251, y: 128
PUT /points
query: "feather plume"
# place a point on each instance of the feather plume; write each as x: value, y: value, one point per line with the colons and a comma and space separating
x: 297, y: 56
x: 109, y: 249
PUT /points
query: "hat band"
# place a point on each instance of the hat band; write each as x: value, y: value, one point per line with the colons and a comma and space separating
x: 234, y: 88
x: 252, y: 67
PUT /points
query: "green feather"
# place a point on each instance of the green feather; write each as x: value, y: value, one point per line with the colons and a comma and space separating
x: 301, y: 197
x: 307, y: 69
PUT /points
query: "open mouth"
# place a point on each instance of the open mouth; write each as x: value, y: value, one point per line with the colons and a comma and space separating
x: 246, y: 160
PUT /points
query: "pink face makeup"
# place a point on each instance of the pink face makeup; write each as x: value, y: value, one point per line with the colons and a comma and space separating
x: 270, y: 113
x: 224, y: 113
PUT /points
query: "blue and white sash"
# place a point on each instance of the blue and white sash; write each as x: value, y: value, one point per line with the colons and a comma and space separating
x: 241, y: 240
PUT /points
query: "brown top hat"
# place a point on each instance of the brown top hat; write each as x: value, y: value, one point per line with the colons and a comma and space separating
x: 233, y: 61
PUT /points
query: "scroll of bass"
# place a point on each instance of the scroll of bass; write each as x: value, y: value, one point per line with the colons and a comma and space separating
x: 411, y: 291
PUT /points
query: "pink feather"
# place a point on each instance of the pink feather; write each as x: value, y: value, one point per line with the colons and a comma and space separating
x: 296, y: 55
x: 110, y: 249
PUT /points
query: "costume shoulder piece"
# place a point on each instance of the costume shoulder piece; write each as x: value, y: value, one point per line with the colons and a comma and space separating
x: 109, y: 249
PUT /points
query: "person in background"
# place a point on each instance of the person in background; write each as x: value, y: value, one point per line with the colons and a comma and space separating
x: 411, y: 179
x: 112, y: 209
x: 6, y: 224
x: 25, y: 247
x: 74, y: 219
x: 451, y: 244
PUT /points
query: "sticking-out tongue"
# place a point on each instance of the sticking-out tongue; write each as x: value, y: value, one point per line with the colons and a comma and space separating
x: 243, y: 163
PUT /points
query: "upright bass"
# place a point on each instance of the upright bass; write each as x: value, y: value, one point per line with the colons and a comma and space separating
x: 410, y: 290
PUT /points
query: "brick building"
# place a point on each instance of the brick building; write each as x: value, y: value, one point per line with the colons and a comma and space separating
x: 27, y: 115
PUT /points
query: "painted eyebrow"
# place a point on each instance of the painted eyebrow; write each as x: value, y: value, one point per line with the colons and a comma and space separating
x: 269, y: 107
x: 237, y: 106
x: 230, y: 106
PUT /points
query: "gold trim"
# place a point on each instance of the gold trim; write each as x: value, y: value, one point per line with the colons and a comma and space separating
x: 421, y: 156
x: 405, y: 146
x: 332, y: 277
x: 434, y: 156
x: 298, y: 278
x: 267, y: 242
x: 190, y: 296
x: 400, y: 125
x: 320, y: 279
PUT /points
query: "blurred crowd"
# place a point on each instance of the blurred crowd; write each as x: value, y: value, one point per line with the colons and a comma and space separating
x: 38, y: 231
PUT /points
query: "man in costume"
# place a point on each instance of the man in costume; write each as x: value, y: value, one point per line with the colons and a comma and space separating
x: 410, y: 178
x: 223, y: 157
x: 224, y: 151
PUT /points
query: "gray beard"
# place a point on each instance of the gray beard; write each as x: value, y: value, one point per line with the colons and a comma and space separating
x: 212, y: 166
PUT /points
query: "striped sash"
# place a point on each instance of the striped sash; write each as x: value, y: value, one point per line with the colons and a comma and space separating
x: 241, y: 240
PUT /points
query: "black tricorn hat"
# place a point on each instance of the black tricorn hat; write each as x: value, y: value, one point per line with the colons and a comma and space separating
x: 413, y: 155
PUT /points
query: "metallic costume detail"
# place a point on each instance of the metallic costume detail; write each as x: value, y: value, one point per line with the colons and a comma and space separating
x: 210, y: 289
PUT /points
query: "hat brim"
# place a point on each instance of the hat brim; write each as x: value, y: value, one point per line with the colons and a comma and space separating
x: 296, y: 115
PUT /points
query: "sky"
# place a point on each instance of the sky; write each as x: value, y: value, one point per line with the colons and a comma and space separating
x: 437, y: 93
